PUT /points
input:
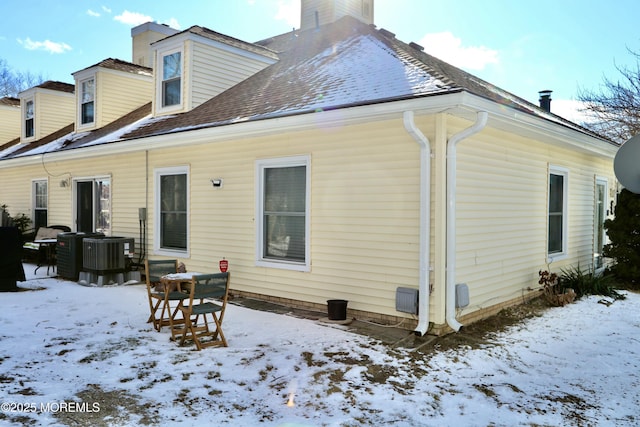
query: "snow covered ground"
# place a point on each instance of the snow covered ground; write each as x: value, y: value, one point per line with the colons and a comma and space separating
x: 74, y: 355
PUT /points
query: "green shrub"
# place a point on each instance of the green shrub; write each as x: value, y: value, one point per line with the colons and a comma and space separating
x: 20, y: 220
x: 588, y: 283
x: 624, y: 236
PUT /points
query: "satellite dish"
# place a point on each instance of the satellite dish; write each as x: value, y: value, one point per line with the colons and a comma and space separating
x: 626, y: 164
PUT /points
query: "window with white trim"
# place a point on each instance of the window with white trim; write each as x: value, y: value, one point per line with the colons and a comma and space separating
x: 600, y: 215
x: 171, y: 79
x: 29, y: 115
x: 40, y: 203
x: 87, y: 101
x: 282, y: 205
x: 171, y: 210
x: 557, y: 212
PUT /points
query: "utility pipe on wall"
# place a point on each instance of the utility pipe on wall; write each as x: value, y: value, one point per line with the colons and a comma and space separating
x: 450, y: 302
x: 425, y: 221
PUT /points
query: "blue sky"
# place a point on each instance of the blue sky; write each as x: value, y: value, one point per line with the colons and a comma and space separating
x: 521, y: 46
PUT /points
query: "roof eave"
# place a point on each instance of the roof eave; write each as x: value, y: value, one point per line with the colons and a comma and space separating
x: 461, y: 104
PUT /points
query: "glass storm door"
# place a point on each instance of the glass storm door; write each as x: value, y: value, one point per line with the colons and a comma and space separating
x: 93, y: 206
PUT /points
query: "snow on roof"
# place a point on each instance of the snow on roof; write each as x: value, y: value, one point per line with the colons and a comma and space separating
x: 343, y: 64
x: 350, y: 71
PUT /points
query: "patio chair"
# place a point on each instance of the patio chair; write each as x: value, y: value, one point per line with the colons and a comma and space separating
x: 211, y: 287
x: 159, y: 298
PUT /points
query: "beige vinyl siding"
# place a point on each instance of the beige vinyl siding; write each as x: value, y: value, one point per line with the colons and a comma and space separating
x: 15, y: 190
x: 53, y: 111
x: 354, y: 8
x: 364, y: 213
x: 9, y: 123
x: 216, y: 70
x: 325, y: 10
x: 502, y: 183
x: 120, y: 93
x: 126, y: 172
x: 329, y: 11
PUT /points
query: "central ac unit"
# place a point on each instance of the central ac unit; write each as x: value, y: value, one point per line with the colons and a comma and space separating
x: 107, y: 255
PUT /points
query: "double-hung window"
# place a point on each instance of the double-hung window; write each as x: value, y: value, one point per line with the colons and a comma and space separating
x: 40, y: 203
x: 87, y: 106
x: 28, y: 119
x: 557, y: 212
x: 172, y: 201
x: 171, y: 79
x: 282, y: 205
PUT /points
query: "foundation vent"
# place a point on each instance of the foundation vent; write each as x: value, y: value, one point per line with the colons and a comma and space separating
x: 462, y: 295
x: 407, y: 300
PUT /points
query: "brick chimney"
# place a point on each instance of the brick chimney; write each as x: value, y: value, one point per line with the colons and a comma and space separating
x: 545, y: 100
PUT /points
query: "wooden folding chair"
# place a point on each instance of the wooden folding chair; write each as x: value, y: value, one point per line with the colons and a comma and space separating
x: 211, y: 287
x: 160, y: 299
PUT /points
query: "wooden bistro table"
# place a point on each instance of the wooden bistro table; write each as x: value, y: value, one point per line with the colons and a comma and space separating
x: 173, y: 282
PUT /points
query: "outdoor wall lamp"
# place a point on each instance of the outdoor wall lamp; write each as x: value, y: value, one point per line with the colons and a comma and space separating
x: 216, y: 182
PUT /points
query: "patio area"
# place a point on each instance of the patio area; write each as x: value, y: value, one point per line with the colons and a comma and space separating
x: 286, y: 368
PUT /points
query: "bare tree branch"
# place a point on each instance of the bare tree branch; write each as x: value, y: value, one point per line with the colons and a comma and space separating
x: 13, y: 82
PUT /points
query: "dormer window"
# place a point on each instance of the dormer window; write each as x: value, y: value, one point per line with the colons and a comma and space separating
x: 28, y: 120
x: 87, y: 98
x: 171, y: 79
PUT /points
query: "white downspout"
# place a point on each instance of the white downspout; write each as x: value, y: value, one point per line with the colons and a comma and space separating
x: 450, y: 303
x: 425, y: 221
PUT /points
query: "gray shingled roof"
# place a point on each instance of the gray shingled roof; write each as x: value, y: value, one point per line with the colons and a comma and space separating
x: 228, y: 40
x: 59, y: 86
x: 10, y: 101
x: 120, y: 65
x: 343, y: 64
x: 340, y: 65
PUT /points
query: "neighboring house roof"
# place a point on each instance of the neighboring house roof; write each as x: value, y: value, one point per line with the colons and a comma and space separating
x: 120, y: 65
x: 340, y: 65
x: 59, y: 86
x: 10, y: 101
x: 222, y: 38
x: 66, y: 138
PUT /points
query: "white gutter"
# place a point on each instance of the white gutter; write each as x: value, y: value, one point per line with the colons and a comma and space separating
x: 425, y: 221
x: 450, y: 303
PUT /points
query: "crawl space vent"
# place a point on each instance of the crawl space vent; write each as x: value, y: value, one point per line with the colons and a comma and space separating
x: 407, y: 300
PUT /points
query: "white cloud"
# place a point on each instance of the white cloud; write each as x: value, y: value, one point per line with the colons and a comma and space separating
x: 92, y: 13
x: 173, y: 23
x: 132, y: 18
x: 289, y: 11
x: 449, y: 48
x: 47, y: 45
x: 106, y: 9
x: 571, y: 110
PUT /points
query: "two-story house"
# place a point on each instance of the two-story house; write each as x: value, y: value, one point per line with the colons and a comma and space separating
x: 331, y: 162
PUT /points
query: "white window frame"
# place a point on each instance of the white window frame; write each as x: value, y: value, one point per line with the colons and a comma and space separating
x: 599, y: 180
x: 564, y: 172
x: 160, y: 54
x: 158, y: 173
x: 34, y: 199
x: 25, y: 118
x: 261, y: 165
x: 81, y: 103
x: 97, y: 202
